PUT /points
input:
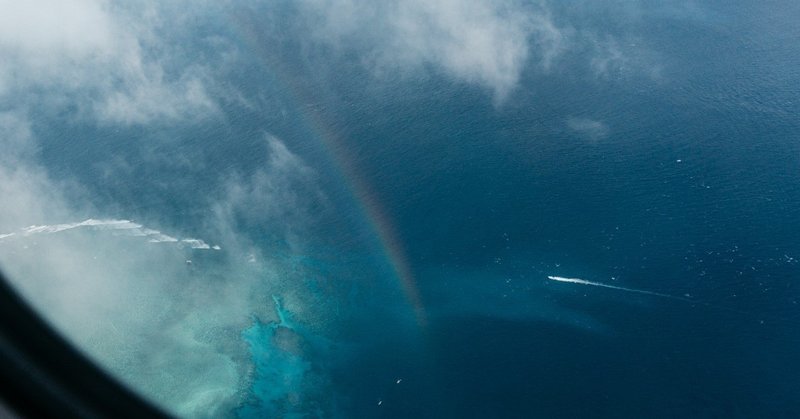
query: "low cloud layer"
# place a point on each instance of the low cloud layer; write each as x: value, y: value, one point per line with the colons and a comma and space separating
x: 587, y: 127
x: 154, y: 307
x: 285, y: 188
x: 108, y: 62
x: 158, y: 305
x: 482, y: 42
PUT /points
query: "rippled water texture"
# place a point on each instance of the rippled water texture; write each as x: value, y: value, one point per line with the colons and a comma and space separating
x: 413, y: 209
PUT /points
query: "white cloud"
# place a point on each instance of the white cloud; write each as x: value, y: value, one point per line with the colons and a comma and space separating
x: 590, y: 128
x: 484, y: 42
x: 146, y: 314
x: 75, y: 28
x: 611, y: 57
x: 29, y: 195
x: 134, y: 306
x: 16, y: 138
x: 474, y: 41
x: 281, y: 195
x: 90, y: 54
x: 125, y: 294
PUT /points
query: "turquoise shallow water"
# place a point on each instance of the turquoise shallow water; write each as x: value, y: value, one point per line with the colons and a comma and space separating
x: 335, y: 194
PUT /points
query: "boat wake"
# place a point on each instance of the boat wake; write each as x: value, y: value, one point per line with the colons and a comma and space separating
x: 117, y: 227
x: 613, y: 287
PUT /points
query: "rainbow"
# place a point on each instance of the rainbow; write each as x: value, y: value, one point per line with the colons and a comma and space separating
x: 368, y: 204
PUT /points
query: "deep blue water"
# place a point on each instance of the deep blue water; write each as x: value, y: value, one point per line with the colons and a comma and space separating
x: 693, y: 190
x: 687, y: 184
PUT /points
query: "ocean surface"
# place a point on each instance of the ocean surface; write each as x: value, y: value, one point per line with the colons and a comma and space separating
x: 384, y: 238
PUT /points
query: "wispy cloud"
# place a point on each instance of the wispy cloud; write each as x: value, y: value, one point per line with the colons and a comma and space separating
x: 128, y: 294
x: 279, y: 196
x: 108, y: 62
x: 138, y: 307
x: 484, y: 42
x: 124, y: 292
x: 614, y: 58
x: 30, y: 196
x: 589, y: 128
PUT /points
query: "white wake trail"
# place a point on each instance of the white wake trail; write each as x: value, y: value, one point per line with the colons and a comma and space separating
x: 117, y: 227
x: 613, y: 287
x: 686, y: 299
